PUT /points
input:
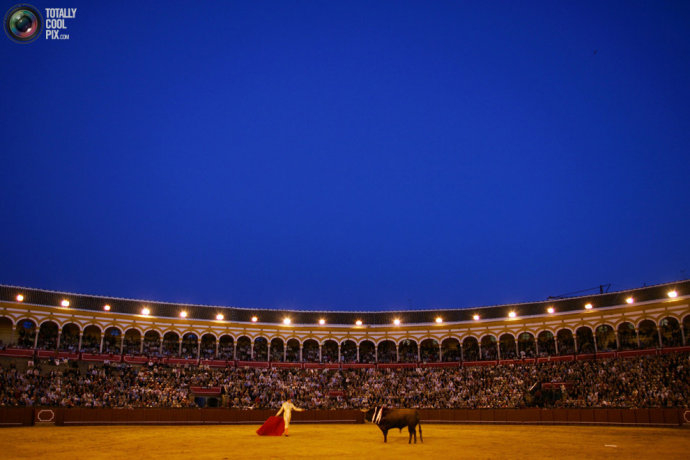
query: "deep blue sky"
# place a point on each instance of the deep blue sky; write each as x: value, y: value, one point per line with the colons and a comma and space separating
x: 348, y: 155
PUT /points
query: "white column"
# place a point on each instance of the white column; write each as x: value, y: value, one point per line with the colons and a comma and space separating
x: 320, y: 352
x: 100, y: 349
x: 79, y: 346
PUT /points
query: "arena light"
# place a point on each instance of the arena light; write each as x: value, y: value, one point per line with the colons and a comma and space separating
x: 20, y: 298
x: 475, y: 317
x: 220, y: 317
x: 287, y: 321
x: 672, y: 294
x: 65, y: 303
x: 358, y: 322
x: 106, y: 307
x: 396, y: 321
x: 551, y: 310
x: 512, y: 314
x: 183, y: 314
x: 589, y: 306
x: 629, y: 300
x: 439, y: 320
x: 145, y: 311
x: 254, y: 319
x: 322, y: 321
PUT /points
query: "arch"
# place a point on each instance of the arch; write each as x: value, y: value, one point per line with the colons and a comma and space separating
x: 489, y: 347
x: 627, y: 337
x: 208, y: 346
x: 565, y: 341
x: 91, y: 339
x: 112, y: 339
x: 6, y: 332
x: 171, y: 343
x: 329, y: 351
x: 226, y: 347
x: 386, y: 352
x: 527, y: 346
x: 367, y: 351
x: 546, y: 343
x: 408, y: 351
x: 310, y: 351
x: 606, y: 338
x: 244, y: 348
x: 585, y: 340
x: 152, y: 343
x: 277, y: 349
x: 47, y: 335
x: 647, y: 333
x: 26, y: 333
x: 506, y: 343
x: 348, y: 351
x: 671, y: 335
x: 69, y: 338
x: 260, y: 352
x: 292, y: 348
x: 450, y: 350
x: 190, y: 345
x: 132, y: 341
x: 470, y: 349
x: 429, y: 350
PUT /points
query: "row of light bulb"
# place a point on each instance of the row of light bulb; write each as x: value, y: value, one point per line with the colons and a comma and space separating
x: 287, y: 321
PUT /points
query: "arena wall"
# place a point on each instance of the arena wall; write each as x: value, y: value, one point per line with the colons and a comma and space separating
x: 14, y: 416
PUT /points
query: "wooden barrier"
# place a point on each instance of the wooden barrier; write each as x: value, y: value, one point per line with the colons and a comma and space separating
x: 27, y: 416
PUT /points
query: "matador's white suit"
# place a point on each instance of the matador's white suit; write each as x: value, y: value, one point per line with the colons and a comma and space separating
x: 286, y: 409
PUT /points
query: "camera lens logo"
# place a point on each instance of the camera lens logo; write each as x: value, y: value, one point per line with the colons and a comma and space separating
x: 23, y: 23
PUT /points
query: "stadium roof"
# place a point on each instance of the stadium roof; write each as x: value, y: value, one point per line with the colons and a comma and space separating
x: 406, y: 317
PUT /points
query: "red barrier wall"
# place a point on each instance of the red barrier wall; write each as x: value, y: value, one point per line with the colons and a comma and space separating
x: 23, y: 416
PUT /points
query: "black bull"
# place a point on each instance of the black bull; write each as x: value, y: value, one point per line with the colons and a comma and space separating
x: 395, y: 418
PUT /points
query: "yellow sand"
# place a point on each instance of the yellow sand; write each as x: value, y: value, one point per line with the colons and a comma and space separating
x: 342, y: 441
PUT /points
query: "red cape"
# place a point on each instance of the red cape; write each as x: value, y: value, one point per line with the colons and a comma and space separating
x: 274, y: 426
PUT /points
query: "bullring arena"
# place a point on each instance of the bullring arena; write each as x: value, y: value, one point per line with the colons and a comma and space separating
x: 84, y: 376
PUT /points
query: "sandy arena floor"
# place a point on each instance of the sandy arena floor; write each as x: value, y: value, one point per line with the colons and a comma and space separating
x: 342, y: 441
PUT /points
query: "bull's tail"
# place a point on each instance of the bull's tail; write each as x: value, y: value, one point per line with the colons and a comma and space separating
x: 419, y: 425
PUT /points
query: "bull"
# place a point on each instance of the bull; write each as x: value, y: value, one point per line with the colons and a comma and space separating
x: 386, y: 419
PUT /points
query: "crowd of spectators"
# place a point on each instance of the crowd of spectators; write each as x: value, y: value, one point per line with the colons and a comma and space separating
x: 649, y: 381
